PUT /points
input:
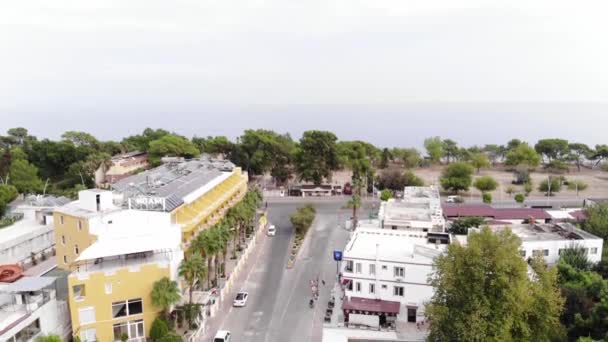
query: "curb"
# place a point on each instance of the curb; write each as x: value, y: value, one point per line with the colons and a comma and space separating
x: 291, y: 262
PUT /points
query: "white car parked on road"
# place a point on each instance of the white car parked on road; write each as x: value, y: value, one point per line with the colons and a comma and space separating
x: 241, y: 299
x: 222, y: 336
x: 272, y: 230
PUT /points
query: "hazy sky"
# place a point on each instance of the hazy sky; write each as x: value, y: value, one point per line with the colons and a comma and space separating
x: 391, y: 72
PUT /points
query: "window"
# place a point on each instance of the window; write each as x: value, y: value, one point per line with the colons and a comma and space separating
x: 79, y: 292
x: 560, y: 251
x: 349, y: 266
x: 88, y: 335
x: 86, y: 315
x: 61, y: 219
x: 594, y: 250
x: 79, y: 225
x: 372, y: 288
x: 108, y: 287
x: 372, y: 269
x: 358, y: 286
x: 540, y: 252
x: 394, y: 227
x: 358, y: 267
x: 76, y: 249
x: 133, y: 329
x: 65, y: 259
x: 546, y: 252
x: 63, y: 239
x: 399, y: 272
x: 384, y: 267
x: 522, y: 253
x: 384, y: 286
x: 127, y: 308
x: 398, y: 291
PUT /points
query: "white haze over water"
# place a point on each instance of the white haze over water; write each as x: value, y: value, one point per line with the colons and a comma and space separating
x: 388, y: 71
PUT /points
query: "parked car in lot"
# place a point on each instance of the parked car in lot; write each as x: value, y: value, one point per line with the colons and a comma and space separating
x: 454, y: 199
x: 240, y: 299
x: 222, y: 336
x: 272, y: 230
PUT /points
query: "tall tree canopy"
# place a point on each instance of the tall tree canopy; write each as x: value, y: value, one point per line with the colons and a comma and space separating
x: 552, y: 149
x: 24, y: 176
x: 172, y: 146
x: 450, y: 149
x: 317, y: 156
x: 219, y: 145
x: 579, y: 153
x: 260, y: 151
x: 456, y: 177
x: 483, y: 293
x: 523, y: 154
x: 434, y: 149
x: 141, y: 142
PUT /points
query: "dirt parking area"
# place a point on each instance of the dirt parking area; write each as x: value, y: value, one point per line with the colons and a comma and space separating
x: 596, y: 180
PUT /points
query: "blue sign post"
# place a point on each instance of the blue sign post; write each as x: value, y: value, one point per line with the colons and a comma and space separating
x: 338, y: 258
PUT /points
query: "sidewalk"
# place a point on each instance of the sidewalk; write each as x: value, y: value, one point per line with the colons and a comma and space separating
x: 214, y: 323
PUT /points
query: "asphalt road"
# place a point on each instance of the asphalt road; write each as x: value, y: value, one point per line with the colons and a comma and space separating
x: 277, y: 308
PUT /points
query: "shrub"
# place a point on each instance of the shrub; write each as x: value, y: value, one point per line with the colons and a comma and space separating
x: 577, y: 185
x: 528, y: 187
x: 520, y: 198
x: 487, y: 197
x: 510, y: 190
x: 604, y: 167
x: 485, y: 183
x: 456, y: 177
x: 555, y: 185
x: 302, y: 219
x: 159, y: 329
x: 522, y: 175
x: 461, y: 226
x: 385, y: 195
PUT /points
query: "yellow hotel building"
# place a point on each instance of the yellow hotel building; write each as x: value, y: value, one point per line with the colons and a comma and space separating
x: 118, y: 243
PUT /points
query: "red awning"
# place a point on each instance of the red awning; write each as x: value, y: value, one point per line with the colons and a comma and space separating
x: 371, y: 305
x: 345, y: 281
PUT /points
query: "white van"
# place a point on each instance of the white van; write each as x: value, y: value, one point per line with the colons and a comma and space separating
x: 272, y: 230
x: 222, y: 336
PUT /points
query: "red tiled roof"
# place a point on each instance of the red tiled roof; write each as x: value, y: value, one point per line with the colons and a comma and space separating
x: 520, y: 213
x: 457, y: 210
x: 484, y: 210
x: 371, y: 305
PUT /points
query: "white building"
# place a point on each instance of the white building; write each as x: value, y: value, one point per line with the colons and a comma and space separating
x: 31, y: 235
x: 387, y: 267
x: 419, y: 210
x: 549, y: 240
x: 29, y: 309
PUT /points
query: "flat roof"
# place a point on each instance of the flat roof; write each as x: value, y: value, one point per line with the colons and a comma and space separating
x: 394, y: 245
x: 126, y: 245
x: 28, y: 284
x: 485, y: 210
x: 548, y: 232
x: 174, y: 181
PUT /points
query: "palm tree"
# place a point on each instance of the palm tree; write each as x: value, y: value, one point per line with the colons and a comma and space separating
x: 192, y: 269
x: 355, y: 201
x: 212, y: 248
x: 200, y: 245
x: 223, y: 231
x: 164, y: 294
